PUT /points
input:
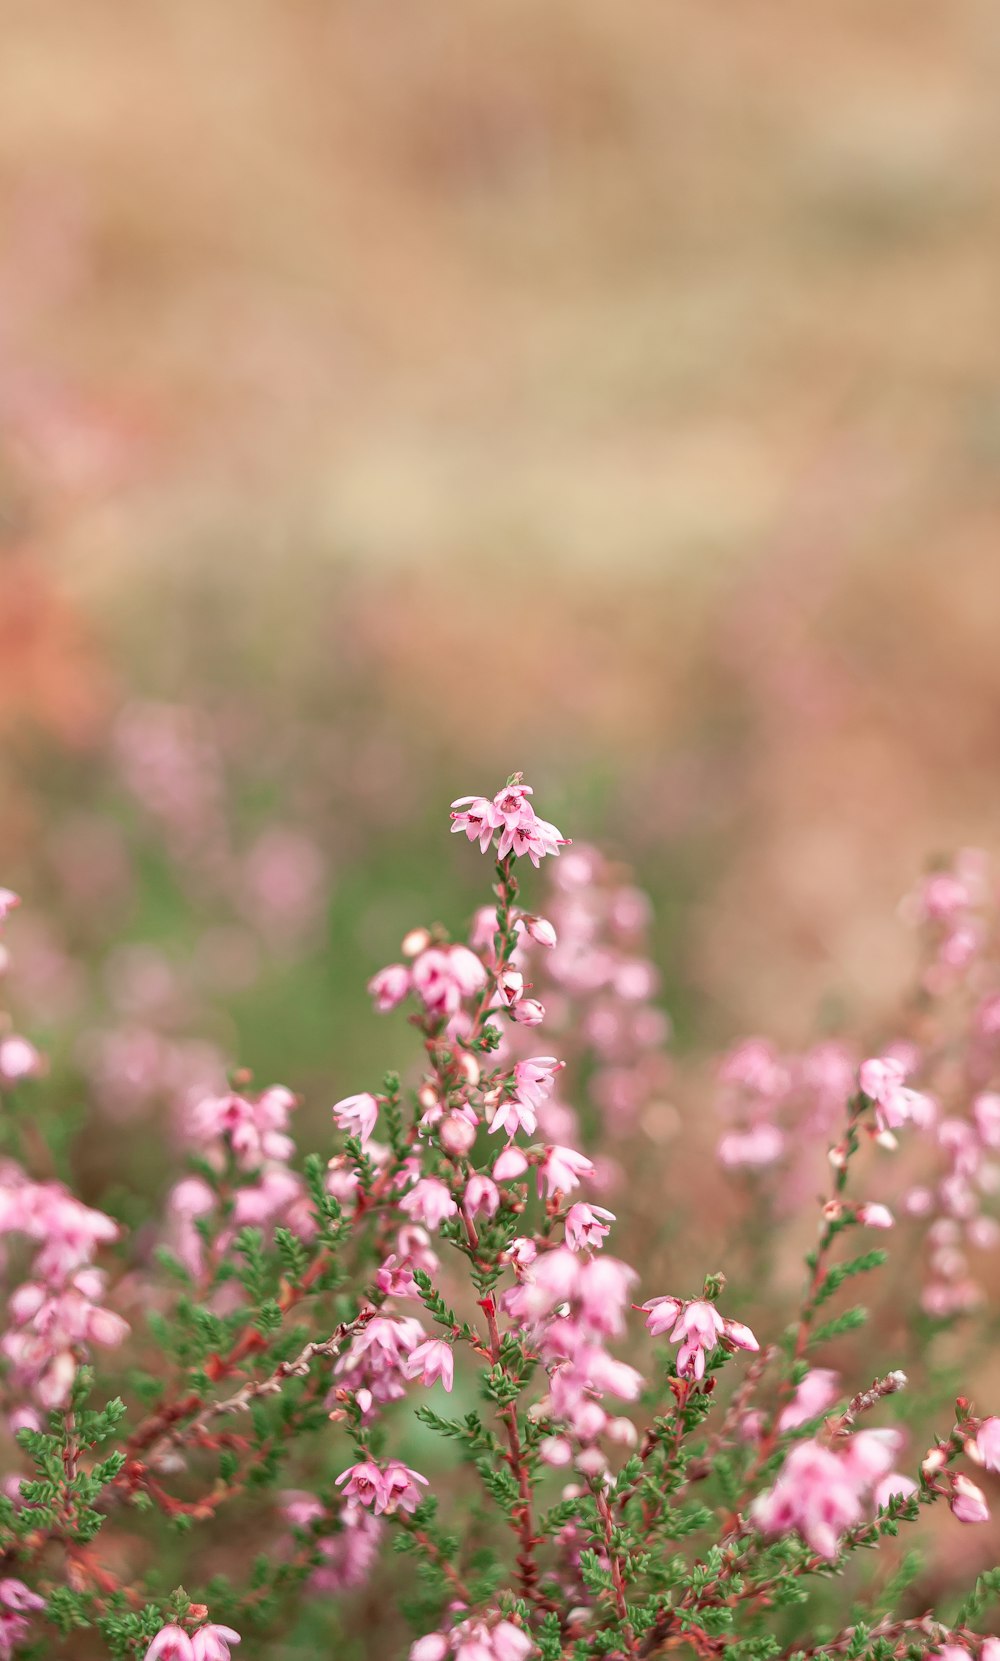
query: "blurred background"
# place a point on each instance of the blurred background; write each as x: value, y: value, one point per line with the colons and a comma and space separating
x: 391, y: 398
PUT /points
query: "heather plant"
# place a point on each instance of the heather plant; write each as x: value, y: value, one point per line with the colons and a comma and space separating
x: 615, y: 1464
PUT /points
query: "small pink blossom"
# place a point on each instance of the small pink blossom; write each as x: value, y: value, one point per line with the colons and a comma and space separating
x: 509, y: 1165
x: 539, y: 929
x: 894, y: 1486
x: 534, y: 1079
x: 171, y: 1643
x: 817, y: 1391
x: 14, y: 1594
x: 528, y: 1012
x: 430, y: 1361
x: 513, y: 1115
x: 399, y: 1486
x: 8, y: 902
x: 357, y: 1115
x: 213, y: 1643
x: 481, y: 1196
x: 697, y: 1326
x: 18, y: 1060
x: 563, y: 1169
x: 872, y: 1215
x: 968, y: 1503
x: 984, y: 1447
x: 429, y: 1202
x: 389, y: 987
x: 477, y: 817
x: 587, y: 1226
x: 457, y: 1133
x: 881, y: 1080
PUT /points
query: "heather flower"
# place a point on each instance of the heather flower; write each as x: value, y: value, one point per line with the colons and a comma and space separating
x: 477, y: 817
x: 364, y: 1483
x: 18, y: 1060
x: 968, y: 1503
x: 389, y: 987
x: 481, y: 1196
x: 881, y: 1080
x: 399, y: 1487
x: 213, y: 1643
x: 509, y: 1165
x: 430, y: 1361
x: 563, y: 1169
x: 587, y: 1226
x: 534, y: 1079
x: 698, y: 1327
x: 513, y: 1115
x: 444, y: 975
x: 357, y: 1115
x: 171, y: 1643
x: 527, y: 1012
x: 984, y: 1447
x: 874, y: 1216
x: 429, y: 1202
x: 14, y: 1594
x: 522, y: 831
x: 815, y: 1494
x: 539, y: 929
x: 894, y: 1486
x: 817, y: 1391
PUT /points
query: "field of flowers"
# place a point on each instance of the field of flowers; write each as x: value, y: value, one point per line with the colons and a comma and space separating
x: 577, y: 1236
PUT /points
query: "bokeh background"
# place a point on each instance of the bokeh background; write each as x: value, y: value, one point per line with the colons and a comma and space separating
x: 392, y: 397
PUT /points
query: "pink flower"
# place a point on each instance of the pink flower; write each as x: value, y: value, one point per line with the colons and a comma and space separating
x: 477, y: 817
x: 432, y: 1648
x: 481, y: 1195
x: 212, y: 1643
x: 563, y: 1169
x: 457, y: 1133
x: 555, y: 1451
x: 698, y: 1327
x: 170, y: 1644
x: 869, y: 1455
x: 586, y: 1226
x: 813, y: 1396
x: 534, y: 1079
x: 513, y: 1115
x: 539, y: 929
x: 14, y: 1594
x: 510, y: 1164
x: 510, y: 1643
x: 985, y: 1446
x: 814, y: 1495
x: 357, y: 1115
x: 444, y: 975
x: 986, y: 1111
x: 18, y: 1060
x: 881, y: 1080
x: 400, y: 1488
x: 429, y: 1202
x: 874, y: 1216
x: 430, y: 1361
x: 8, y: 901
x: 894, y: 1486
x: 528, y: 1012
x: 389, y: 987
x: 364, y: 1484
x: 968, y: 1503
x: 760, y: 1145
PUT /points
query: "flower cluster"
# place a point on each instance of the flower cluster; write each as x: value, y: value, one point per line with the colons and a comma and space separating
x: 439, y: 1274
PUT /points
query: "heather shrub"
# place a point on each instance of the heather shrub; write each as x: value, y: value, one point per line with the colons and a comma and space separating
x: 405, y: 1377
